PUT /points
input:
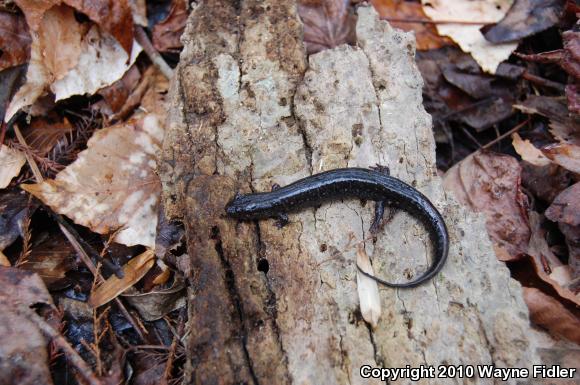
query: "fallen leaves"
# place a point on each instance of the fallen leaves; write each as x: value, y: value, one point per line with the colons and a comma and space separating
x: 469, y: 37
x: 490, y: 183
x: 112, y: 185
x: 88, y: 57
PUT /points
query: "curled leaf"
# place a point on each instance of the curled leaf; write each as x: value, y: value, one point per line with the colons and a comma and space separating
x: 133, y: 271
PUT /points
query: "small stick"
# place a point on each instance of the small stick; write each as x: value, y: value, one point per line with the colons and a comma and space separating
x: 506, y: 134
x: 153, y: 54
x: 544, y: 82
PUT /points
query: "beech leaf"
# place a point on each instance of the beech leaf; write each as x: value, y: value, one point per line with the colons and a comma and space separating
x: 112, y: 184
x: 469, y: 37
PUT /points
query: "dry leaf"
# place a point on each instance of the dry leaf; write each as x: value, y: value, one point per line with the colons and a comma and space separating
x: 113, y: 17
x: 13, y: 211
x: 102, y: 62
x: 11, y: 161
x: 42, y: 135
x: 112, y: 184
x: 469, y: 37
x: 158, y: 302
x: 167, y: 33
x: 525, y: 18
x: 51, y: 259
x: 547, y: 312
x: 545, y: 182
x: 425, y: 34
x: 566, y: 206
x: 566, y: 155
x: 529, y: 152
x: 490, y: 183
x: 133, y: 271
x: 77, y: 67
x: 23, y: 348
x: 327, y: 24
x: 14, y: 40
x: 368, y: 290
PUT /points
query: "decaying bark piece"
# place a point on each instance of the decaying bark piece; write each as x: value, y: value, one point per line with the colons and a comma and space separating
x: 280, y: 306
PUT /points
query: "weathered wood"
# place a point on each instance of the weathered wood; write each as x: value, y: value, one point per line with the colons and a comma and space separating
x: 280, y: 306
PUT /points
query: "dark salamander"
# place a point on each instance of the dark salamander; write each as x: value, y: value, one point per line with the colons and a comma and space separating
x: 340, y: 183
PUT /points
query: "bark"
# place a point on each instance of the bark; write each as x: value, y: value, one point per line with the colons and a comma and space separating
x: 280, y: 306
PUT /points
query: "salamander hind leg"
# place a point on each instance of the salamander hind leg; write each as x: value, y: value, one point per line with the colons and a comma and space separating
x: 379, y: 211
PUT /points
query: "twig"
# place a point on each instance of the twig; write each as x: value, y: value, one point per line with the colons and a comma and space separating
x: 83, y: 368
x: 544, y: 82
x: 155, y: 57
x: 506, y: 134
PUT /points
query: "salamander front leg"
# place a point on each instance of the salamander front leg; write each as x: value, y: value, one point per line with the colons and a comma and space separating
x: 282, y: 218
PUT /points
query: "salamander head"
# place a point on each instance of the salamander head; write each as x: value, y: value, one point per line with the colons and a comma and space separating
x: 242, y: 207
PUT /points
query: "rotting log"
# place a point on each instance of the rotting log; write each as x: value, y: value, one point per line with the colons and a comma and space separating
x: 280, y: 306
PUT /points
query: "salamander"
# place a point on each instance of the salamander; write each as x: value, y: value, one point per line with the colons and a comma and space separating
x: 368, y: 184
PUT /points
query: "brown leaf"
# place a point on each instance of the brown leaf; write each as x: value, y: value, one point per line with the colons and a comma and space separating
x: 34, y: 10
x: 167, y: 33
x: 59, y: 28
x: 552, y: 315
x: 529, y: 152
x: 490, y: 183
x: 23, y: 350
x: 545, y: 182
x: 525, y: 18
x: 566, y: 206
x: 14, y: 40
x: 133, y: 271
x: 51, y: 259
x: 566, y: 155
x: 117, y: 93
x: 158, y: 302
x: 538, y: 247
x: 13, y: 210
x: 425, y: 33
x: 327, y: 24
x: 113, y: 16
x: 43, y: 135
x: 113, y: 183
